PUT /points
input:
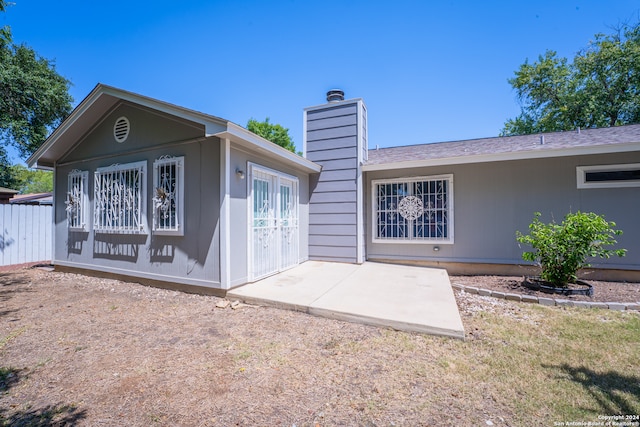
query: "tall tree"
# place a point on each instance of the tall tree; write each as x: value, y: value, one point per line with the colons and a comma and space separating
x: 29, y: 181
x: 273, y: 132
x: 599, y: 88
x: 34, y: 98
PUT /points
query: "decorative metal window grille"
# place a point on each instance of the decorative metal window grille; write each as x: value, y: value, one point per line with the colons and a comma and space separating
x: 414, y: 210
x: 76, y: 203
x: 168, y: 195
x: 119, y: 198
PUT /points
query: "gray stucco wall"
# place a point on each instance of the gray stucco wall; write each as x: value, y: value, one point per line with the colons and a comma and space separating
x: 189, y: 259
x: 493, y: 200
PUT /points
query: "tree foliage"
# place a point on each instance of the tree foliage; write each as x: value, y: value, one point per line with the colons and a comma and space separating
x: 30, y: 181
x: 562, y: 249
x: 34, y: 98
x: 600, y: 88
x: 272, y: 132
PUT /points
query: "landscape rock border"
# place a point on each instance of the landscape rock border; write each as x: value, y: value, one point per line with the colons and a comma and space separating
x: 618, y: 306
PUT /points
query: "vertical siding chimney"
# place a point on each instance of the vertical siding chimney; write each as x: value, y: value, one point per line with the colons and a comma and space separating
x: 335, y: 136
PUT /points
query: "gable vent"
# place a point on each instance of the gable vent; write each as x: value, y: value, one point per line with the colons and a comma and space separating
x: 121, y: 129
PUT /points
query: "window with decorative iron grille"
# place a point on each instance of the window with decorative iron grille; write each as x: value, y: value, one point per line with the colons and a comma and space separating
x: 119, y: 193
x: 168, y: 195
x: 77, y: 199
x: 413, y: 210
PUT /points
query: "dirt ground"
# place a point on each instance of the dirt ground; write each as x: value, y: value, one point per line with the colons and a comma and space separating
x: 78, y: 350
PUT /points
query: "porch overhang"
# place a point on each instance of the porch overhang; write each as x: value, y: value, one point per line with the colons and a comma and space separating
x: 244, y: 138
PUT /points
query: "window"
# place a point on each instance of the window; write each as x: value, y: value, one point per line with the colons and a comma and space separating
x: 413, y: 210
x: 77, y: 197
x: 119, y: 198
x: 608, y: 176
x: 168, y: 195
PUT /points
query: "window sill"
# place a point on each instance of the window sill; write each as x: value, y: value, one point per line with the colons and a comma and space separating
x: 168, y: 232
x: 416, y: 241
x: 131, y: 232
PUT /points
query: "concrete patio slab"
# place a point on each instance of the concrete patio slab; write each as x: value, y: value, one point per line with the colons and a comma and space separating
x: 416, y: 299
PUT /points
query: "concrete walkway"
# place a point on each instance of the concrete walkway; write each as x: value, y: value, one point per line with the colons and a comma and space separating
x: 405, y: 298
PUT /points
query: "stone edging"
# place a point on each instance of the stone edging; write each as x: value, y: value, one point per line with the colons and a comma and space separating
x: 620, y: 306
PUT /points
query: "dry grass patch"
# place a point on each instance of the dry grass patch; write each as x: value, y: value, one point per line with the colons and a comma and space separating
x: 88, y: 351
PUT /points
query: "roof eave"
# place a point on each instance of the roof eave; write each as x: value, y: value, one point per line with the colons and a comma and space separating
x: 499, y: 157
x: 211, y: 123
x: 242, y: 136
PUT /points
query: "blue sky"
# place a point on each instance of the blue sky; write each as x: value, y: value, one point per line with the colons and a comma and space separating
x: 427, y: 71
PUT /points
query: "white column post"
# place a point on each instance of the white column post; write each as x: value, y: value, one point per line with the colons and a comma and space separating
x: 225, y: 213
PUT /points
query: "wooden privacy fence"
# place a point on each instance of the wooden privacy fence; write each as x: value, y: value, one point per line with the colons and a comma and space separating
x: 25, y: 234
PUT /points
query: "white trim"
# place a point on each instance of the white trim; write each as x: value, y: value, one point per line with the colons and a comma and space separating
x: 242, y: 136
x: 141, y: 274
x: 450, y: 217
x: 212, y: 124
x: 179, y: 200
x: 512, y: 155
x: 225, y: 214
x: 327, y: 105
x: 278, y: 175
x: 141, y: 166
x: 361, y: 149
x: 304, y: 134
x: 84, y: 199
x: 581, y: 176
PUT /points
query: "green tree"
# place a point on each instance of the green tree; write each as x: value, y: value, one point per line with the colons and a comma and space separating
x: 29, y: 181
x: 34, y: 98
x: 600, y: 88
x: 7, y: 180
x: 272, y: 132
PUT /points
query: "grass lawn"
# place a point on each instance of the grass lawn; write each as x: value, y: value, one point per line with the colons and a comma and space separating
x: 85, y: 351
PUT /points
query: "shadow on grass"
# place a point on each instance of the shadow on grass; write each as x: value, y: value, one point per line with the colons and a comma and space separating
x: 8, y: 378
x: 52, y: 415
x: 610, y: 389
x: 10, y: 284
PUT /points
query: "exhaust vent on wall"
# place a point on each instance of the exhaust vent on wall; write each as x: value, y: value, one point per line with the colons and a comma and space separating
x: 335, y: 95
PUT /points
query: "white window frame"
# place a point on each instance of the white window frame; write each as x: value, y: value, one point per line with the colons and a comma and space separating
x: 77, y: 202
x: 582, y: 171
x: 117, y: 210
x: 412, y: 239
x: 168, y: 202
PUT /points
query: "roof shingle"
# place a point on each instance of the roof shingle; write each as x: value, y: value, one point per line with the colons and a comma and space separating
x: 508, y: 144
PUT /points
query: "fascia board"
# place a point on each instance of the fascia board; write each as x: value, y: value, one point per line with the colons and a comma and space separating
x: 165, y: 107
x: 241, y: 135
x: 64, y: 126
x: 500, y: 157
x: 212, y: 124
x: 332, y: 104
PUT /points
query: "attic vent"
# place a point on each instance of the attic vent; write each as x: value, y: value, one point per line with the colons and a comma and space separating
x: 121, y: 129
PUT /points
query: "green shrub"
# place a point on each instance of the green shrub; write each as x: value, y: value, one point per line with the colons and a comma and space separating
x: 562, y: 249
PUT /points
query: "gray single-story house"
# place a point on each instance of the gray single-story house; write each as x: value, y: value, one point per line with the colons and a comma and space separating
x: 174, y: 197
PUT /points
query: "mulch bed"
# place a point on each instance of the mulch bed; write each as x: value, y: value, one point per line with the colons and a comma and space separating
x: 602, y: 291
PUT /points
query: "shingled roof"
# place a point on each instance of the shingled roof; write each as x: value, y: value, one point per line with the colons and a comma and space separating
x: 555, y: 144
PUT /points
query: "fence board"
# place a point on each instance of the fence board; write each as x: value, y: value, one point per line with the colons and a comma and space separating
x: 25, y: 234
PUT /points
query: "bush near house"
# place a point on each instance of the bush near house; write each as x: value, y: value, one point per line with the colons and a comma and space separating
x: 563, y: 249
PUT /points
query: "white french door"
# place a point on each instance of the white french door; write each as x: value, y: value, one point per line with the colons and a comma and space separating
x: 274, y: 222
